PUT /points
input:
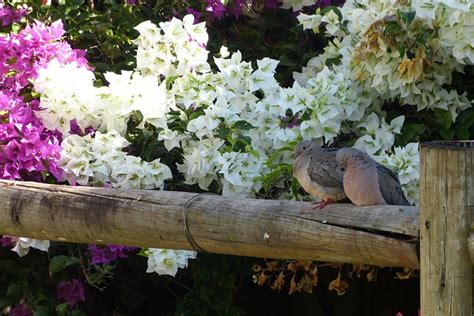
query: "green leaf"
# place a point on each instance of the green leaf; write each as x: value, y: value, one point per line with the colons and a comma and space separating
x: 196, y: 114
x: 243, y: 125
x: 42, y: 311
x: 8, y: 266
x: 143, y: 252
x: 77, y: 312
x: 447, y: 134
x: 407, y: 17
x: 285, y: 61
x: 59, y: 263
x: 61, y: 309
x: 462, y: 133
x: 336, y: 10
x: 401, y: 50
x: 392, y: 29
x: 14, y: 291
x: 444, y: 118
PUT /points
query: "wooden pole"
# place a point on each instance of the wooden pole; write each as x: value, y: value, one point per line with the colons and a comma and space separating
x: 247, y: 227
x: 446, y: 204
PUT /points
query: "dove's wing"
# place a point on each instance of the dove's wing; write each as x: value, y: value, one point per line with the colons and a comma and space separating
x: 324, y: 170
x: 390, y: 186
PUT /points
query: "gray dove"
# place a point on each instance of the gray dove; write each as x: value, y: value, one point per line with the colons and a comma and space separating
x: 317, y: 171
x: 366, y: 182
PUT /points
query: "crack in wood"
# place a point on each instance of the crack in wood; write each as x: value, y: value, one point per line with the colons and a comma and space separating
x: 16, y: 202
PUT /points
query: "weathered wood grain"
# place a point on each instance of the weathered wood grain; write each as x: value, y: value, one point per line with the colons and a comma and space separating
x: 245, y: 227
x: 446, y: 204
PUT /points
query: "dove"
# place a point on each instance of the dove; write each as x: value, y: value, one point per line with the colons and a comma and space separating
x: 366, y: 182
x: 317, y: 171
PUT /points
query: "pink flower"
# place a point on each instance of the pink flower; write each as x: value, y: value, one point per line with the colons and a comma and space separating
x: 215, y: 8
x: 9, y: 15
x: 271, y: 4
x: 71, y: 292
x: 27, y: 149
x: 195, y: 13
x: 20, y: 310
x: 106, y: 254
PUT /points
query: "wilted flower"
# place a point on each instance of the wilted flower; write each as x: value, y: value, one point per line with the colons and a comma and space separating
x: 20, y: 310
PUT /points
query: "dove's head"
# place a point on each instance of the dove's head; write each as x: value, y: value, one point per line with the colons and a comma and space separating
x: 343, y: 155
x: 306, y: 146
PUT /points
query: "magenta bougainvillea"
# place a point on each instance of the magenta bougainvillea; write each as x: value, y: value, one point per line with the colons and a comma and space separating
x: 106, y: 254
x: 27, y: 149
x: 71, y: 292
x: 9, y: 15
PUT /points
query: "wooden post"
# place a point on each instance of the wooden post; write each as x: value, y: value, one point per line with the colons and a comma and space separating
x: 446, y: 204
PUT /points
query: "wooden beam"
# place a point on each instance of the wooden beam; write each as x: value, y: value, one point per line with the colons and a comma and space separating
x: 446, y: 204
x: 247, y: 227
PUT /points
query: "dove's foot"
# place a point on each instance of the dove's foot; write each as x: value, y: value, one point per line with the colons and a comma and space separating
x: 320, y: 205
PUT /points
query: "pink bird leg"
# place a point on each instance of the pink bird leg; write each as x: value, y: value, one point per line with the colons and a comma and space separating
x: 320, y: 205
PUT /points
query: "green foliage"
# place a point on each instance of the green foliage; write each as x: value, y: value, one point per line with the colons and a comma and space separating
x: 214, y: 284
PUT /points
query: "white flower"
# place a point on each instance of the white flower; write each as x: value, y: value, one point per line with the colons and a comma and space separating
x: 101, y: 160
x: 167, y: 261
x: 171, y: 138
x: 406, y: 162
x: 332, y: 24
x: 23, y: 244
x: 296, y: 5
x: 263, y: 78
x: 67, y: 93
x: 203, y: 125
x: 378, y: 135
x: 200, y: 161
x: 310, y: 22
x: 224, y: 52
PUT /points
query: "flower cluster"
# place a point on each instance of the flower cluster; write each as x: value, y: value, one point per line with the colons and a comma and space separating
x: 24, y: 53
x: 228, y: 122
x: 10, y: 15
x: 220, y: 8
x: 28, y: 150
x: 167, y: 261
x: 71, y: 292
x: 107, y: 254
x: 402, y: 56
x: 173, y: 48
x: 101, y: 161
x: 20, y: 310
x: 405, y: 161
x: 21, y: 245
x: 378, y: 136
x: 453, y: 21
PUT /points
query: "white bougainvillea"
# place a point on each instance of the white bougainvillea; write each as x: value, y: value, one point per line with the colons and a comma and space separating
x: 232, y: 124
x: 100, y: 160
x: 22, y: 245
x: 167, y: 261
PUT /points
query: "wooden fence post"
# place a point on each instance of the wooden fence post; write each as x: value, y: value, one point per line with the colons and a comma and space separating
x: 446, y: 204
